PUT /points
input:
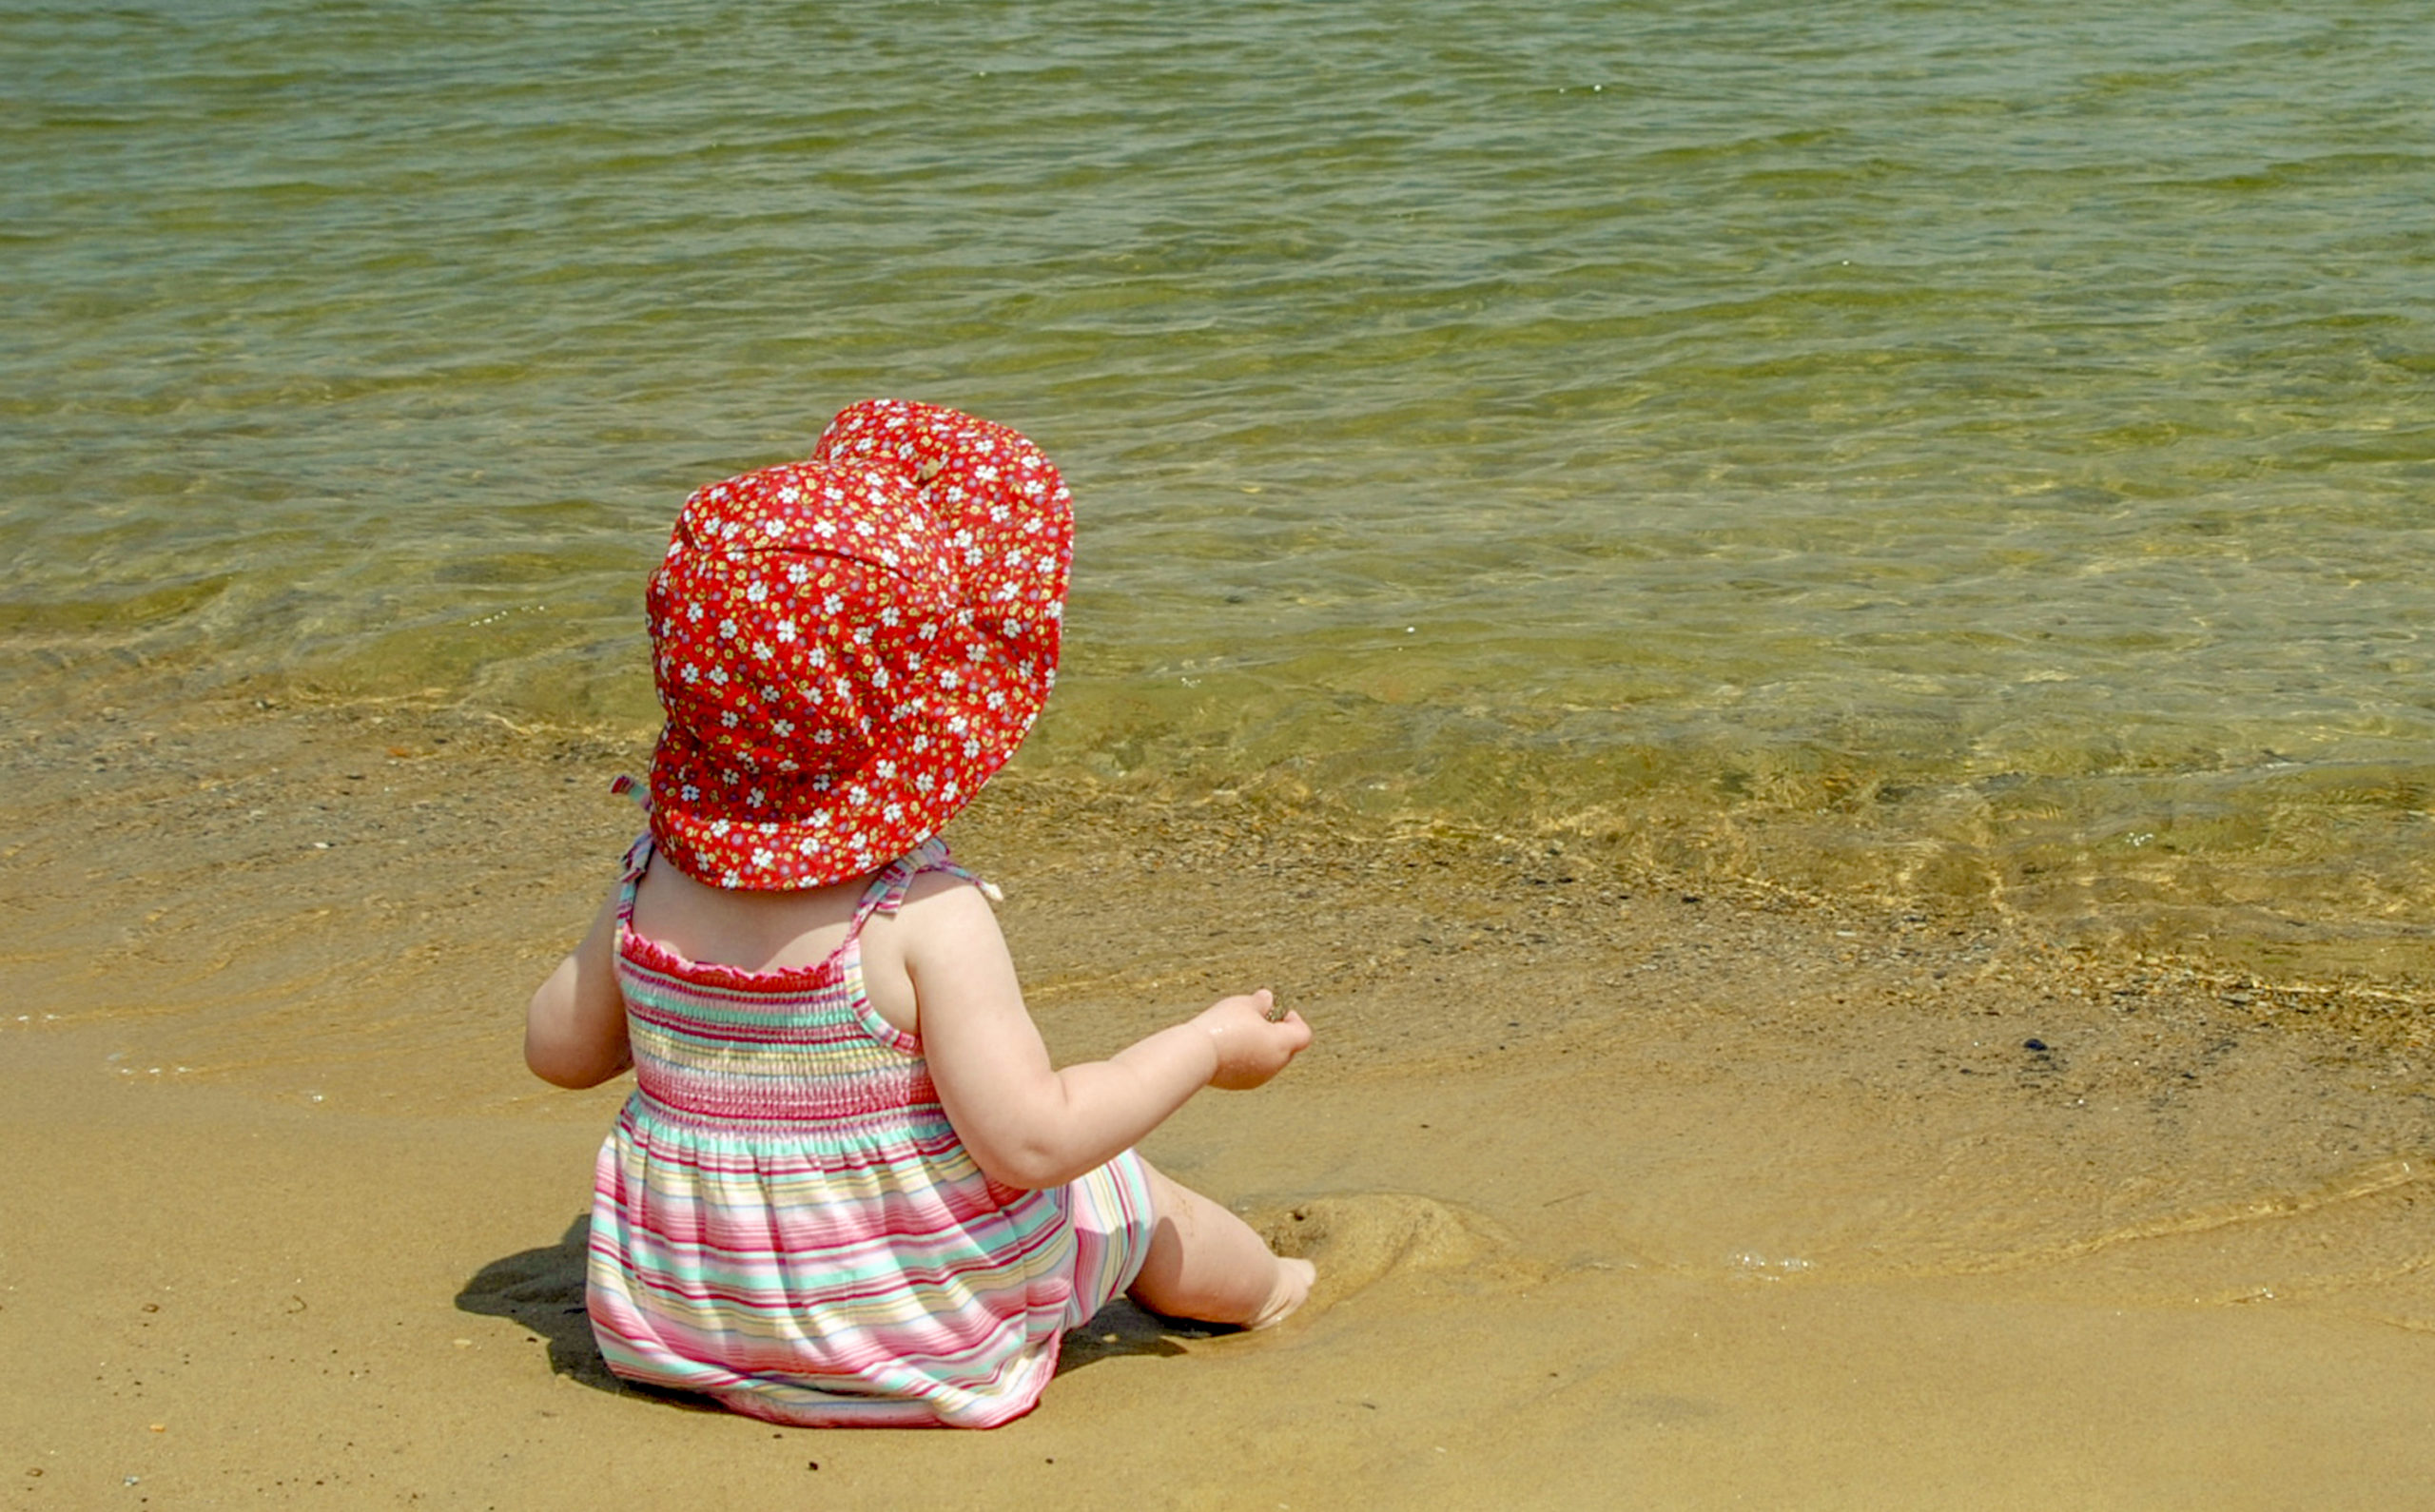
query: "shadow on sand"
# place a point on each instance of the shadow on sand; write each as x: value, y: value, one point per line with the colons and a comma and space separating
x: 542, y: 1290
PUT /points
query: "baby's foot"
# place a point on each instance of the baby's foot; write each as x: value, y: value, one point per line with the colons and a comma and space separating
x: 1292, y: 1288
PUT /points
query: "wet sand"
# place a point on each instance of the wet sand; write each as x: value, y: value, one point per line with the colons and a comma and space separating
x: 1626, y: 1188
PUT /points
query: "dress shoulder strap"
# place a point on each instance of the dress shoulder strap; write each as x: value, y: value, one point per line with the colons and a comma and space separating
x: 638, y: 854
x: 637, y: 861
x: 887, y: 892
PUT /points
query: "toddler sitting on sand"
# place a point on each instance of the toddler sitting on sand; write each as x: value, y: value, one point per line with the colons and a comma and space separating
x: 848, y: 1188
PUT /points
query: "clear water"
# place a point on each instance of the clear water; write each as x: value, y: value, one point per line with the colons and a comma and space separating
x: 1898, y: 446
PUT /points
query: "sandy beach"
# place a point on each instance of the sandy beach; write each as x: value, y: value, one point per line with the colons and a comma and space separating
x: 1627, y: 1187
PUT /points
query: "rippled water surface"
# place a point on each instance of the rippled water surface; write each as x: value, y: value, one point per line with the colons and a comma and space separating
x: 1939, y: 447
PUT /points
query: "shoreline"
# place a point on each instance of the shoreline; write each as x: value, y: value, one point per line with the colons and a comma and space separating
x: 1618, y: 1179
x: 257, y: 784
x: 2280, y: 911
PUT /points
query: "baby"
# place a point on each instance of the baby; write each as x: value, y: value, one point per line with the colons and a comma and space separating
x: 850, y: 1188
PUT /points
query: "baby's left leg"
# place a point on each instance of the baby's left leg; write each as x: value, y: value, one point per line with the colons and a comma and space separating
x: 1207, y: 1264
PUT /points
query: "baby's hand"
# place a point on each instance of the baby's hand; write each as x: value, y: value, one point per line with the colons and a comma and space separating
x: 1254, y: 1039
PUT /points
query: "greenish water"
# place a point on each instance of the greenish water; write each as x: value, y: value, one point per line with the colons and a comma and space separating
x: 1876, y: 445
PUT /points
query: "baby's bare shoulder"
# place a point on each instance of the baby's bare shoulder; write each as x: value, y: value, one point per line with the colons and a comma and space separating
x: 946, y: 911
x: 939, y: 948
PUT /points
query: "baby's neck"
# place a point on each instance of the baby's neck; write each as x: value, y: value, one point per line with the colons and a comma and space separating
x: 751, y: 929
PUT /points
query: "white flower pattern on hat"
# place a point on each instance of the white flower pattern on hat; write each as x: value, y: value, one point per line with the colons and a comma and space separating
x: 815, y: 633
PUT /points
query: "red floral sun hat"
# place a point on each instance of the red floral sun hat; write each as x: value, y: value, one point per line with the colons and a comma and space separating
x: 847, y: 647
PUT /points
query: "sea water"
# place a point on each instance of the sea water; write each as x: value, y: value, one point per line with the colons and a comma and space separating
x: 1938, y: 448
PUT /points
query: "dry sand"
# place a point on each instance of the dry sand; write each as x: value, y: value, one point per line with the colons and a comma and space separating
x: 1626, y: 1190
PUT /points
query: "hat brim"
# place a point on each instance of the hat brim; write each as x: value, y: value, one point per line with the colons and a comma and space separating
x: 811, y: 829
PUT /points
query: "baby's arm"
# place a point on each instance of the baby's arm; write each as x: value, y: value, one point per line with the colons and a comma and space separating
x: 1026, y: 1123
x: 575, y: 1031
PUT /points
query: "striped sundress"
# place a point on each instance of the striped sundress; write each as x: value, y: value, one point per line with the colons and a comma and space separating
x: 782, y: 1219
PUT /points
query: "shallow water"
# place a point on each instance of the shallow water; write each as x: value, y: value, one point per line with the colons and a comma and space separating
x: 1917, y: 448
